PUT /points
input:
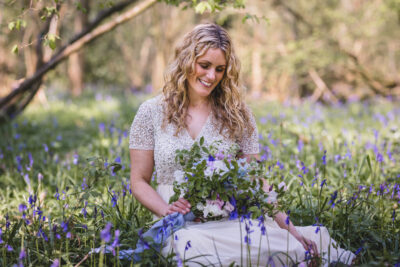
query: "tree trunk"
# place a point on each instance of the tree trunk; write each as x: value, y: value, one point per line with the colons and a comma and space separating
x: 76, y: 62
x: 15, y: 102
x: 256, y: 68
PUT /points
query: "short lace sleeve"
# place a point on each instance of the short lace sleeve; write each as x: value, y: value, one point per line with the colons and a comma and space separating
x: 249, y: 144
x: 142, y: 129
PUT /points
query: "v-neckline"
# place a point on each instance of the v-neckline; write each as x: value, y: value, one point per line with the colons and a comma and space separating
x: 201, y: 130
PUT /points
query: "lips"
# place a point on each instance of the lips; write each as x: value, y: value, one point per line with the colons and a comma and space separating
x: 206, y: 84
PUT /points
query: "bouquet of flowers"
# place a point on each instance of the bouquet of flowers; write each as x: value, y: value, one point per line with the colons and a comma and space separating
x: 219, y: 185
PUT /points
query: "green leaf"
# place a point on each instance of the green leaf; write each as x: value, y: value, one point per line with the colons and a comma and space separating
x: 202, y: 7
x: 369, y: 163
x: 14, y: 49
x: 201, y: 140
x: 11, y: 25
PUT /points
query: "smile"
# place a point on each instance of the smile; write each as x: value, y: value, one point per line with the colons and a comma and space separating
x: 206, y: 84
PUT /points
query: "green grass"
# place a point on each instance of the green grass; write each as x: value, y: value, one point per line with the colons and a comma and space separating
x: 360, y: 141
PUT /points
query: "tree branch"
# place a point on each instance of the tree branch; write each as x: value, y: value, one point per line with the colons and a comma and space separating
x: 75, y: 44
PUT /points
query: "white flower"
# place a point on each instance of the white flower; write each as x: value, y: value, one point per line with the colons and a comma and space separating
x: 209, y: 171
x: 228, y: 206
x: 213, y: 210
x: 220, y: 167
x: 282, y: 184
x: 200, y: 206
x: 271, y: 197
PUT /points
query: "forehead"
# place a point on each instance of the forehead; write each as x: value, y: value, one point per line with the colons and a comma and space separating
x: 213, y: 55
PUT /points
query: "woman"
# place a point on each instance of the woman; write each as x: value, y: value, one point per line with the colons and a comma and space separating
x: 201, y: 98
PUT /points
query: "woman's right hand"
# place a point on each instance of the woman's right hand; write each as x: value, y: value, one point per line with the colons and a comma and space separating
x: 181, y: 205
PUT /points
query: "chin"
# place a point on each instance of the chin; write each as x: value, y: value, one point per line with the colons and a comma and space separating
x: 204, y: 92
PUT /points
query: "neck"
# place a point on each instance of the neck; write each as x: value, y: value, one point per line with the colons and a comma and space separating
x: 198, y: 102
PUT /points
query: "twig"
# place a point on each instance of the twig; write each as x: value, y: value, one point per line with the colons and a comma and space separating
x: 322, y: 88
x: 84, y: 258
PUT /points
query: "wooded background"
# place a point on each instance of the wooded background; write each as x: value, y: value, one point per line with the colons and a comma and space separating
x: 329, y: 51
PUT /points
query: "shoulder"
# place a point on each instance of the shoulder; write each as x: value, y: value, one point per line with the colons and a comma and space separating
x: 151, y: 106
x: 152, y: 102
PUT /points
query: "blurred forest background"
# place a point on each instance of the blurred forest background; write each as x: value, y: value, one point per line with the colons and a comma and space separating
x: 329, y: 51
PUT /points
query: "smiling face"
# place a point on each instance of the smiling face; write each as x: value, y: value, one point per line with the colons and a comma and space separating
x: 208, y: 72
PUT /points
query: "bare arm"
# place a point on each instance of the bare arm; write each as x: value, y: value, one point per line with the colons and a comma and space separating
x: 280, y: 218
x: 142, y: 164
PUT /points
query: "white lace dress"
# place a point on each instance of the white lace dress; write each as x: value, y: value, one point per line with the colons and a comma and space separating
x: 220, y: 242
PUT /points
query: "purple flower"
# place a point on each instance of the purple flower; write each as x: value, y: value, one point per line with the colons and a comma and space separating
x: 358, y: 250
x: 76, y: 159
x: 9, y: 248
x: 56, y: 263
x: 287, y: 221
x: 376, y: 134
x: 8, y: 223
x: 46, y: 148
x: 30, y: 159
x: 68, y: 235
x: 22, y: 254
x: 323, y: 182
x: 379, y: 157
x: 40, y: 176
x: 57, y: 195
x: 102, y: 127
x: 27, y: 180
x: 333, y: 198
x: 42, y: 234
x: 300, y: 145
x: 114, y: 199
x: 211, y: 158
x: 324, y: 158
x: 22, y: 208
x: 1, y: 233
x: 84, y: 184
x: 18, y: 159
x: 105, y: 234
x: 318, y: 224
x: 64, y: 226
x: 116, y: 239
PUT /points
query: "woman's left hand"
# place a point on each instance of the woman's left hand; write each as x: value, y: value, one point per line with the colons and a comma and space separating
x: 308, y: 245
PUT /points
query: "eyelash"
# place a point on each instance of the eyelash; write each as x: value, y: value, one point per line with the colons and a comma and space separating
x: 205, y: 67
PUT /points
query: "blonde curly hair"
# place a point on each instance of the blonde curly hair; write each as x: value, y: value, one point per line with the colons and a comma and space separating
x: 226, y: 99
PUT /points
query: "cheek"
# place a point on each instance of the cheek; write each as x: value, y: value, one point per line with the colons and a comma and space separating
x: 199, y: 72
x: 220, y: 76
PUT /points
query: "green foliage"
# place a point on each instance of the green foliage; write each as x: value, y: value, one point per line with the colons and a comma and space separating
x: 50, y: 40
x: 62, y: 137
x: 220, y: 185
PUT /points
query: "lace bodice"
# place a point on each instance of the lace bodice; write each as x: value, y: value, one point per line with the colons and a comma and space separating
x: 146, y: 134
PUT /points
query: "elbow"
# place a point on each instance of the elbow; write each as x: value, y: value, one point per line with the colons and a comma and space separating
x: 137, y: 186
x: 134, y: 189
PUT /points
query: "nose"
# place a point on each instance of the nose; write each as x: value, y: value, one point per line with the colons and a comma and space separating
x: 211, y: 74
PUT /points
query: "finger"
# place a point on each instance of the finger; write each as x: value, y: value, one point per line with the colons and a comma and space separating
x: 181, y: 206
x: 315, y: 248
x: 185, y: 202
x: 304, y: 244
